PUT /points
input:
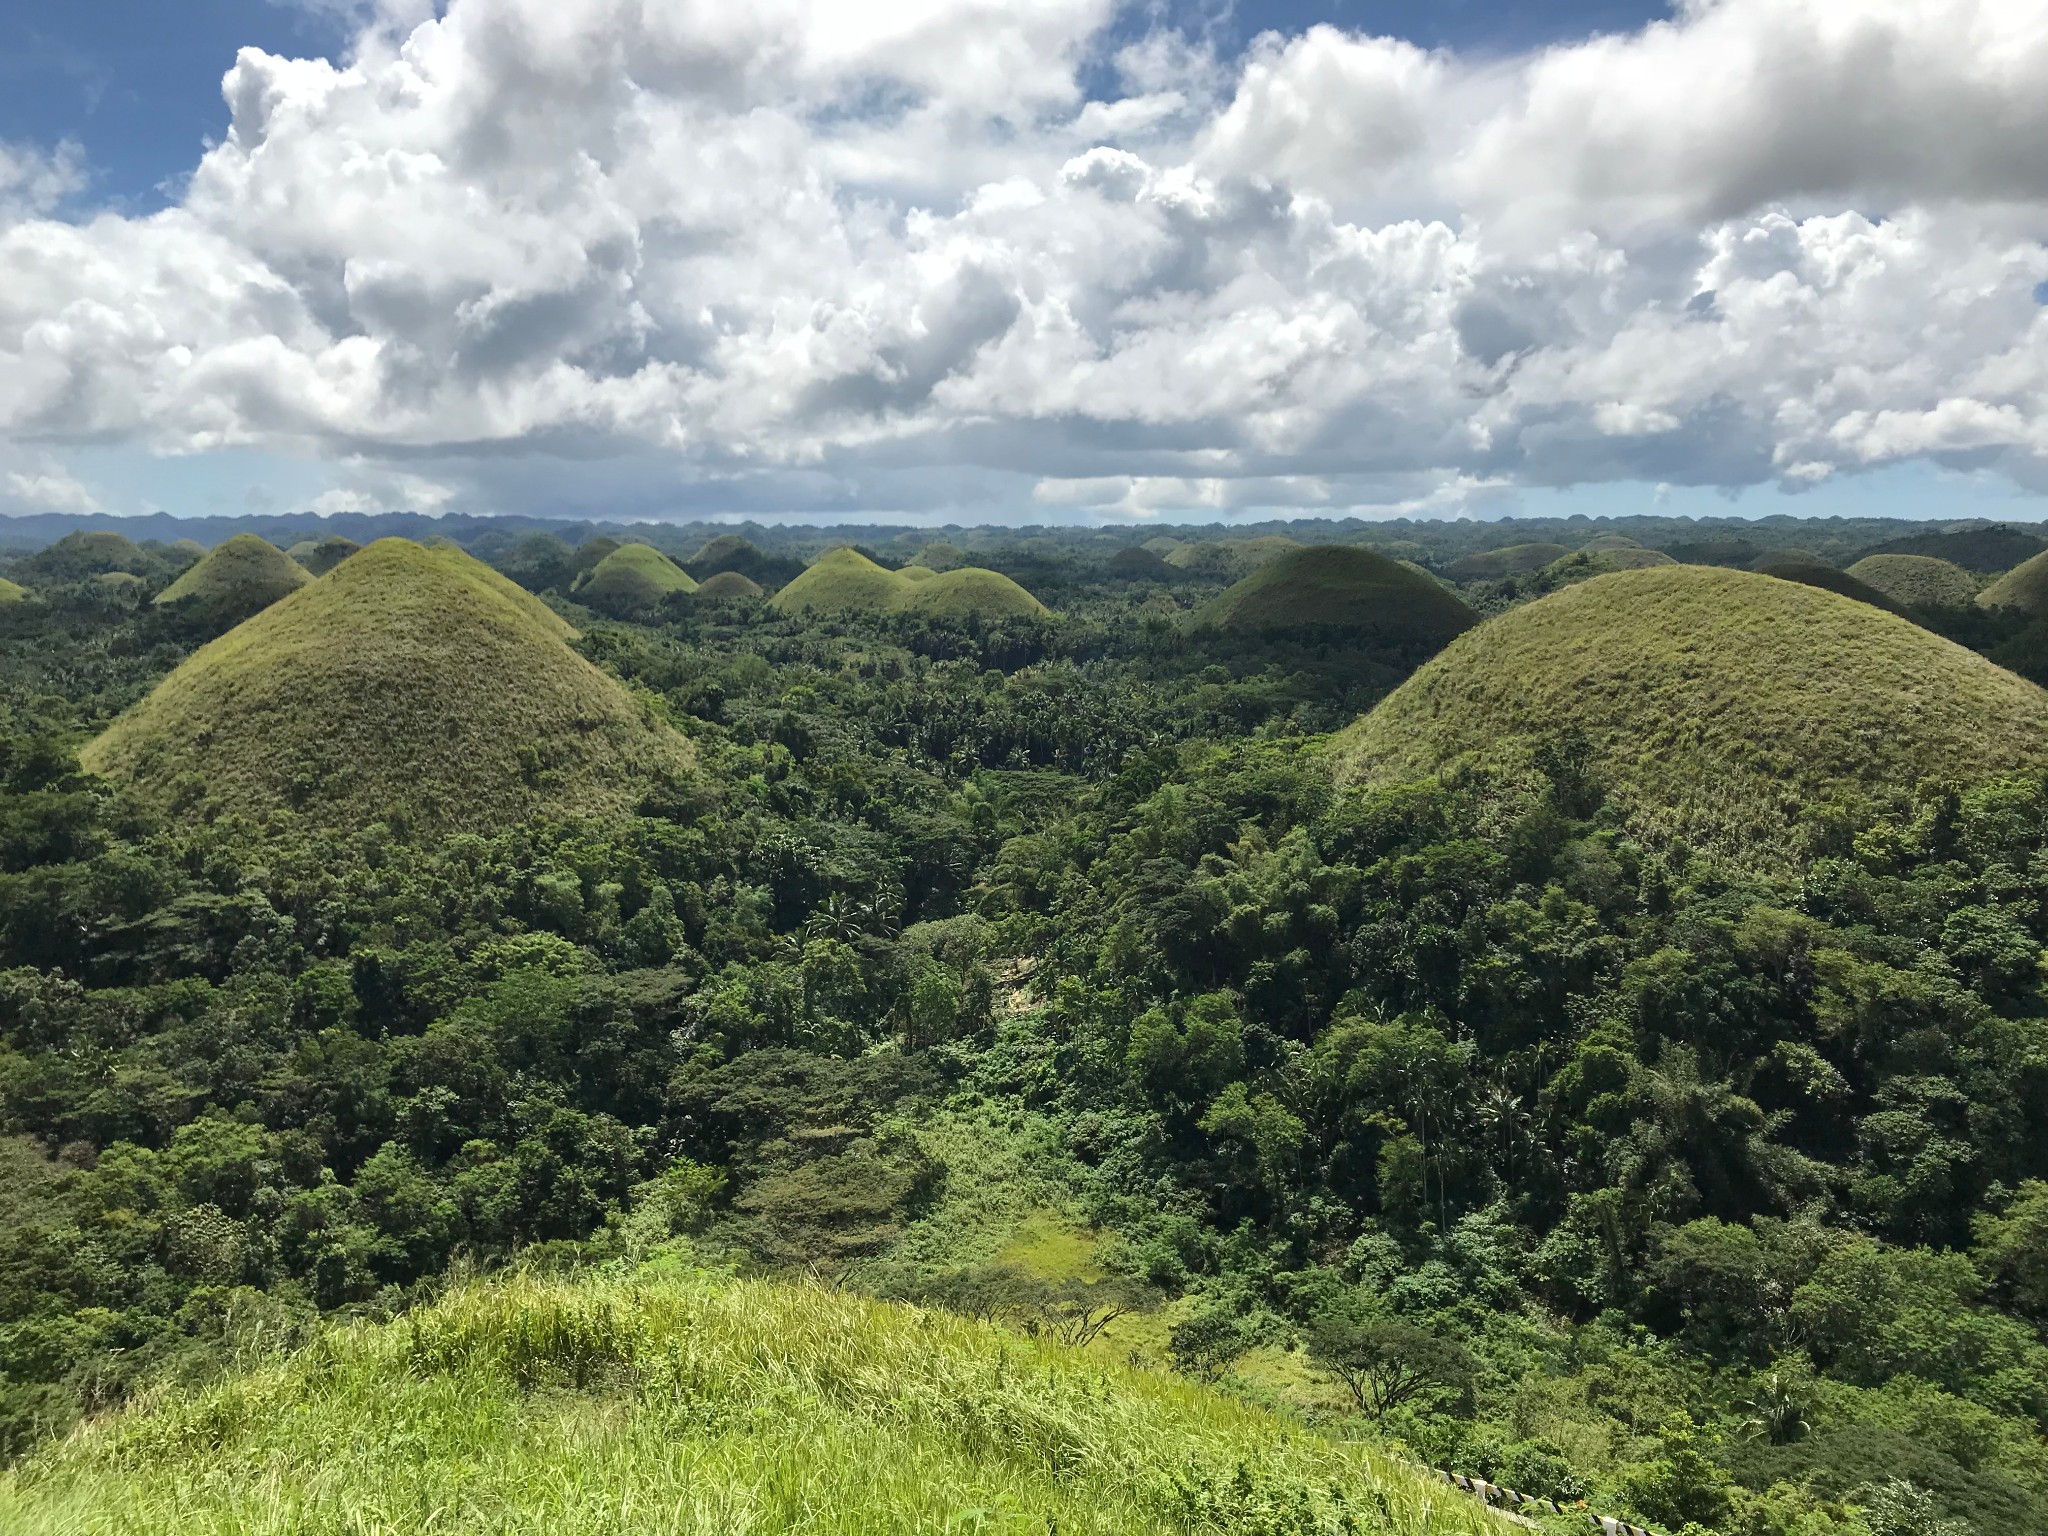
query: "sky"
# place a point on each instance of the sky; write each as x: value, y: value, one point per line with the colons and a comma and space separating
x: 1071, y: 260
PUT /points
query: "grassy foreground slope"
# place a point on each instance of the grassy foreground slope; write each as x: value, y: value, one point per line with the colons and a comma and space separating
x: 1342, y: 587
x: 1710, y: 700
x: 694, y: 1404
x: 409, y: 684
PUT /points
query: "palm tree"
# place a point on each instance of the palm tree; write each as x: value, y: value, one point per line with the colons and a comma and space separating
x: 1775, y: 1412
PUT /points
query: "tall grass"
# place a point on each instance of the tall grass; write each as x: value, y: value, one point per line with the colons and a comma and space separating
x: 690, y: 1403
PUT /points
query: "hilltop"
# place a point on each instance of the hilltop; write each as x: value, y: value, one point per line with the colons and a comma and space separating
x: 2024, y: 587
x: 1983, y: 550
x: 1514, y: 560
x: 1708, y: 699
x: 730, y: 584
x: 1137, y: 563
x: 1339, y: 586
x: 323, y: 555
x: 632, y: 578
x: 730, y: 552
x: 684, y: 1403
x: 234, y: 580
x: 410, y: 684
x: 91, y: 552
x: 1812, y: 571
x: 1917, y: 581
x: 844, y: 580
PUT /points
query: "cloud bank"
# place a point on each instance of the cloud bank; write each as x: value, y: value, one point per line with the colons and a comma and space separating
x: 670, y: 254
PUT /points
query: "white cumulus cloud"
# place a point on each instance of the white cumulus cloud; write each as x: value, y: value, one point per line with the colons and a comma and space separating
x: 654, y: 254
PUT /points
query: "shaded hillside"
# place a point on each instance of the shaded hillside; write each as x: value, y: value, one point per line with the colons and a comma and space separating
x: 1339, y: 586
x: 1917, y: 581
x: 1706, y: 699
x: 1809, y: 570
x: 408, y: 685
x: 1983, y: 550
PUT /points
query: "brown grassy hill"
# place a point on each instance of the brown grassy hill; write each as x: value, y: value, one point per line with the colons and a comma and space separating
x: 844, y: 580
x: 729, y: 585
x: 1712, y: 701
x: 410, y: 685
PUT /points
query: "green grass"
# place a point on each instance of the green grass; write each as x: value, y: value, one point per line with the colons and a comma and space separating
x: 1601, y: 542
x: 729, y: 584
x: 723, y: 552
x: 1713, y: 702
x: 681, y: 1402
x: 1917, y: 581
x: 409, y: 684
x: 1514, y: 560
x: 323, y: 555
x: 633, y: 576
x: 1812, y: 571
x: 1588, y: 563
x: 235, y: 579
x: 1228, y: 559
x: 2024, y: 587
x: 90, y: 552
x: 845, y: 580
x: 13, y: 592
x: 1339, y: 586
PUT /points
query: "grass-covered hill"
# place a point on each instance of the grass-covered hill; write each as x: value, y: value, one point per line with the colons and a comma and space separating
x: 1609, y: 541
x: 2024, y: 587
x: 730, y: 584
x: 322, y: 555
x: 1709, y: 701
x: 234, y: 580
x: 1812, y: 571
x: 1137, y: 563
x: 1983, y: 550
x: 409, y: 685
x: 844, y: 580
x: 1917, y: 581
x: 632, y: 578
x: 1514, y: 560
x: 1337, y: 586
x: 91, y: 552
x: 731, y: 552
x: 13, y: 592
x: 692, y: 1404
x: 1226, y: 559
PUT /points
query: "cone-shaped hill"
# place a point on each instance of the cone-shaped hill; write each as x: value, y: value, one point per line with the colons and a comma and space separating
x: 1138, y: 563
x: 631, y: 578
x: 2024, y: 587
x: 1609, y: 541
x: 1494, y: 564
x: 91, y: 552
x: 410, y: 685
x: 1812, y: 571
x: 322, y: 555
x: 1713, y: 702
x: 730, y: 552
x: 1340, y: 586
x: 844, y: 580
x: 729, y: 585
x: 1917, y: 581
x: 233, y: 580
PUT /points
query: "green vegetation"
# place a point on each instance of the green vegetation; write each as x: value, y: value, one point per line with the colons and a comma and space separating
x: 322, y: 555
x: 1514, y: 560
x: 1710, y: 702
x: 632, y: 579
x: 844, y: 580
x: 1916, y: 581
x: 2024, y: 587
x: 1335, y: 586
x: 1138, y: 563
x: 692, y: 1403
x: 234, y: 580
x: 1225, y: 560
x: 1811, y: 571
x: 1983, y: 550
x: 13, y: 592
x: 1602, y: 542
x: 730, y: 552
x: 1644, y: 1105
x: 91, y: 552
x: 730, y: 584
x: 410, y: 686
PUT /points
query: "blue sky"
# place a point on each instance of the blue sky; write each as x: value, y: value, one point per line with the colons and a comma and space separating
x: 826, y: 261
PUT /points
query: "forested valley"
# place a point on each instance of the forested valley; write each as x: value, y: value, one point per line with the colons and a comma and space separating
x: 1053, y: 968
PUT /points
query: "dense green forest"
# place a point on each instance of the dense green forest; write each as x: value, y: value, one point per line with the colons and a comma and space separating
x: 1043, y: 968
